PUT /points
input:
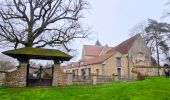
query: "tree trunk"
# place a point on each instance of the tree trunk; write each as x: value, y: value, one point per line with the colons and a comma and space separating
x: 157, y: 52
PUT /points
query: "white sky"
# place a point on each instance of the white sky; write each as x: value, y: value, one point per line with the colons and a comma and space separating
x: 112, y: 20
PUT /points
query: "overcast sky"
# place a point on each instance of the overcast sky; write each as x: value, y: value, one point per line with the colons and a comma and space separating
x: 112, y: 20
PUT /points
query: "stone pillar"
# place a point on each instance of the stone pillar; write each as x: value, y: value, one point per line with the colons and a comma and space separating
x: 113, y: 77
x: 79, y: 72
x: 116, y: 78
x: 22, y: 79
x: 55, y: 74
x: 69, y: 78
x: 94, y: 78
x: 17, y: 78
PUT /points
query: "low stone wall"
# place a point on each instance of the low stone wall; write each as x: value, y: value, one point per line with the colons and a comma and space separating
x: 2, y: 78
x: 60, y: 78
x: 151, y: 71
x: 69, y: 79
x: 17, y: 78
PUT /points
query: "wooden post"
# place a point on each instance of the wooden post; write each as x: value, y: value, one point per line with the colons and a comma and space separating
x: 52, y: 75
x: 27, y: 74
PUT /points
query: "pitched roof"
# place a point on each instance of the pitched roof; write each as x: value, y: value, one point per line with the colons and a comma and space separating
x: 40, y: 53
x: 96, y: 60
x: 126, y: 45
x: 95, y: 50
x: 91, y: 50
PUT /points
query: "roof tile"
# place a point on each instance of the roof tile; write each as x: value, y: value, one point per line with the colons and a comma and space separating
x: 91, y: 50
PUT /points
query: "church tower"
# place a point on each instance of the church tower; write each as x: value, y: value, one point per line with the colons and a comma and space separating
x: 98, y: 43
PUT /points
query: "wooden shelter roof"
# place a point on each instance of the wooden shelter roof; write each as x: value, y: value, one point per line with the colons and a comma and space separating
x: 38, y: 53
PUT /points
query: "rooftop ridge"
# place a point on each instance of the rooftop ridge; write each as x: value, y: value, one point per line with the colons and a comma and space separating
x: 125, y: 45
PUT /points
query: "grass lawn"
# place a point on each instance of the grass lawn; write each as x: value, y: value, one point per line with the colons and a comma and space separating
x: 152, y: 88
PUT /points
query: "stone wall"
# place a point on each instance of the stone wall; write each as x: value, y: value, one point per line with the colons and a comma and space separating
x: 17, y: 78
x: 139, y: 46
x: 139, y: 72
x: 2, y: 78
x: 59, y: 77
x: 150, y: 71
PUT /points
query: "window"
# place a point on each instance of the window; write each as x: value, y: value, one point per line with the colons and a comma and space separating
x: 119, y: 72
x: 76, y: 71
x: 82, y: 72
x: 97, y: 71
x: 89, y: 70
x: 118, y: 61
x: 74, y: 74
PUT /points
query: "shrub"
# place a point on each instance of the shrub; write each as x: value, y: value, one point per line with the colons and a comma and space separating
x: 140, y: 76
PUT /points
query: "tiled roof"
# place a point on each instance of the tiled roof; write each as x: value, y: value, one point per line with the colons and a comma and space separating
x: 95, y: 51
x: 91, y: 50
x: 126, y: 45
x: 96, y: 60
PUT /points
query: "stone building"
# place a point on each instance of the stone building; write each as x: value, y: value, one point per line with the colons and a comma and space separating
x: 122, y: 60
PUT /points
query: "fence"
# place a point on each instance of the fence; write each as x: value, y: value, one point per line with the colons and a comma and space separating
x: 104, y: 79
x: 93, y: 79
x: 82, y: 80
x: 125, y: 78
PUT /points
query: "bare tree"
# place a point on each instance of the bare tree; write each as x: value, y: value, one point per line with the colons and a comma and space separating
x: 139, y: 28
x: 40, y: 23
